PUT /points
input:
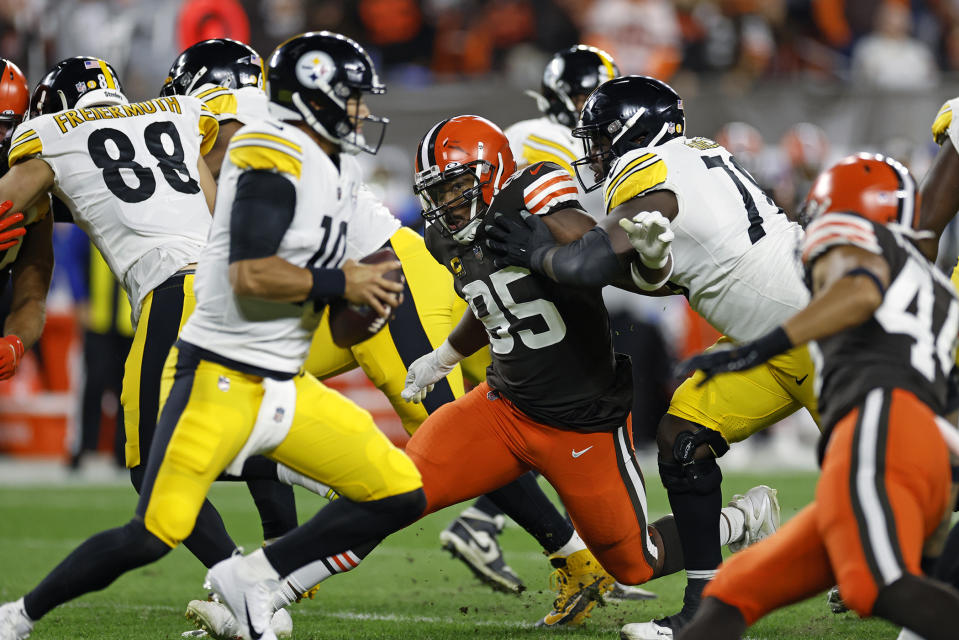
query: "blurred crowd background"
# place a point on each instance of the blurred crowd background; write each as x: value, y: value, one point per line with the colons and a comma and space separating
x: 787, y: 85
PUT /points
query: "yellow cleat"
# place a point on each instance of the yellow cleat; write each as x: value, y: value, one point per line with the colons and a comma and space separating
x: 580, y: 582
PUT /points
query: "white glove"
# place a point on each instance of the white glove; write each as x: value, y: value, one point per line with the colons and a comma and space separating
x: 651, y: 237
x: 427, y: 370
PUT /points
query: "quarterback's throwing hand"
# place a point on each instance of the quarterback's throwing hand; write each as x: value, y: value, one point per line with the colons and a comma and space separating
x: 513, y: 241
x: 365, y: 284
x: 651, y: 237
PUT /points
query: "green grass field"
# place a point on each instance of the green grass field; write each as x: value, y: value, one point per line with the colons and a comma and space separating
x: 408, y: 588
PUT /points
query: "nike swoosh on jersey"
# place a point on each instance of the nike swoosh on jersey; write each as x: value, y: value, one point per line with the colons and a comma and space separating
x: 799, y: 381
x: 577, y: 454
x: 534, y: 170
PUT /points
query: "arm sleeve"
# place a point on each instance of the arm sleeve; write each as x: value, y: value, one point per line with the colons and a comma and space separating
x: 262, y: 212
x: 587, y: 262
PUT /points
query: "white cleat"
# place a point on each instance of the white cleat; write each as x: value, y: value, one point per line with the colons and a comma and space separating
x: 243, y: 585
x: 14, y: 623
x: 652, y: 630
x: 762, y: 515
x: 906, y: 634
x: 214, y: 620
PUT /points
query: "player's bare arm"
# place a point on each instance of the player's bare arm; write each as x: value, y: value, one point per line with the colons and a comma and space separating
x: 848, y: 287
x: 207, y: 181
x: 31, y: 276
x: 26, y: 184
x: 940, y: 198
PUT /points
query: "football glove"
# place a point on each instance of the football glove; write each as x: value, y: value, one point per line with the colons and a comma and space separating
x: 11, y: 350
x: 9, y: 237
x: 744, y: 356
x: 513, y: 242
x: 651, y: 237
x: 427, y: 370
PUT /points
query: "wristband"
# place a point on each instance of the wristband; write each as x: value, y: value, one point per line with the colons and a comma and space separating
x: 772, y: 344
x: 447, y: 355
x: 642, y: 283
x: 327, y: 283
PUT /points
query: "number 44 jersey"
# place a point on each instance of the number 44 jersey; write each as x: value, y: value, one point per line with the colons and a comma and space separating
x: 550, y: 343
x: 910, y: 341
x: 128, y: 174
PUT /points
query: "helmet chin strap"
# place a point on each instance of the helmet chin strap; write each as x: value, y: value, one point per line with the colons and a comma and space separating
x: 196, y: 78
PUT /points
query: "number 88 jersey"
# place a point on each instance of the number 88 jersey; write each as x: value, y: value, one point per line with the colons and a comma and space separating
x: 909, y: 343
x: 128, y: 174
x: 550, y: 343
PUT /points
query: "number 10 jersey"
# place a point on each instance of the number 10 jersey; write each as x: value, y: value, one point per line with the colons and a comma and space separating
x: 128, y: 174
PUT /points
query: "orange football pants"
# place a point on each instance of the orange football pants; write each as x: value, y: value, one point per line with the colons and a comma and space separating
x: 884, y: 488
x: 481, y: 442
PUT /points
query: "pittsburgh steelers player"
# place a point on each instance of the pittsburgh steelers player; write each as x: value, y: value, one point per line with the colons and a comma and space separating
x: 26, y: 259
x: 233, y: 385
x: 700, y: 225
x: 886, y: 475
x: 222, y: 73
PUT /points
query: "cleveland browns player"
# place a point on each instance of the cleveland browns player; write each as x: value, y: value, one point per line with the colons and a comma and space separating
x: 236, y: 366
x: 884, y: 322
x: 26, y: 259
x: 701, y: 226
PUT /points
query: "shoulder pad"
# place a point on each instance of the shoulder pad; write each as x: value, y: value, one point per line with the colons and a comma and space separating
x: 546, y: 186
x: 836, y: 229
x: 219, y: 100
x: 256, y: 147
x: 26, y: 141
x: 632, y: 175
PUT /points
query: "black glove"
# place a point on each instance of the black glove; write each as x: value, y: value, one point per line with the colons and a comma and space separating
x: 513, y: 242
x: 745, y: 356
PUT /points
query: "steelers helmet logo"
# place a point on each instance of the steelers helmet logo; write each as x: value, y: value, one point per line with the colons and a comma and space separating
x: 314, y: 69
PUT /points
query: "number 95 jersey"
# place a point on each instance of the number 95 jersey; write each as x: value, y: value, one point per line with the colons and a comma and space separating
x: 128, y: 174
x: 550, y: 343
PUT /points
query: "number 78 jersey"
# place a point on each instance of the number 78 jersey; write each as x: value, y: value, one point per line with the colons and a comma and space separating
x: 128, y: 174
x: 734, y: 252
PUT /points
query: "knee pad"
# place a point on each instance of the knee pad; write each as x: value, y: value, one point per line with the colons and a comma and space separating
x: 687, y: 442
x: 699, y: 476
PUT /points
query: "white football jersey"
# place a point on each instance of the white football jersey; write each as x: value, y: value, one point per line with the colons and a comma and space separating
x: 734, y: 252
x: 128, y: 174
x: 261, y: 333
x: 372, y: 223
x: 541, y: 139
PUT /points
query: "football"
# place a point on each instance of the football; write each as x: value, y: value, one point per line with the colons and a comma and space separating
x: 351, y: 324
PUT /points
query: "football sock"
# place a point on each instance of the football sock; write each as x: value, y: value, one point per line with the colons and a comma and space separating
x: 732, y: 525
x: 487, y: 506
x: 924, y: 606
x: 947, y: 567
x: 716, y: 621
x: 524, y: 501
x: 341, y: 525
x: 697, y: 520
x: 93, y: 565
x: 295, y: 585
x: 574, y: 544
x: 276, y: 506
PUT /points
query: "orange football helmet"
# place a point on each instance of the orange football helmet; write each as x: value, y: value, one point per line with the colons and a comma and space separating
x: 872, y: 186
x: 461, y: 163
x: 14, y: 99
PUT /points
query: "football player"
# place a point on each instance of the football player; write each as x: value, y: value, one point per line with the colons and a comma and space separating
x: 221, y: 72
x: 683, y: 212
x: 237, y: 365
x: 26, y: 259
x: 882, y: 368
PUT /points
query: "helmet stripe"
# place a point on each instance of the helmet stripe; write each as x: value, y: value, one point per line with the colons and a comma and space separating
x: 111, y: 84
x: 906, y: 203
x: 608, y: 65
x: 428, y: 156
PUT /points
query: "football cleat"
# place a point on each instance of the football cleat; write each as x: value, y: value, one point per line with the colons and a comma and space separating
x: 906, y: 634
x: 14, y: 623
x: 652, y: 630
x: 622, y: 592
x: 472, y: 539
x: 214, y: 620
x: 247, y: 589
x: 762, y: 515
x: 834, y: 600
x: 581, y: 583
